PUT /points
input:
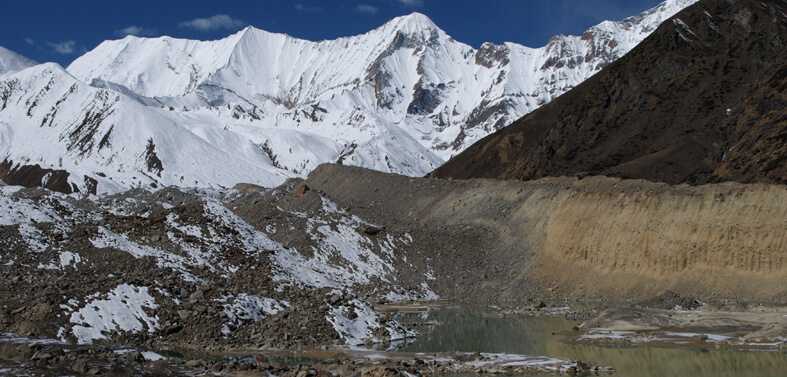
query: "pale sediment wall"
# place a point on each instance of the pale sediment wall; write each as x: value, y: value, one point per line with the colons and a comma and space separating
x: 719, y: 240
x: 590, y: 237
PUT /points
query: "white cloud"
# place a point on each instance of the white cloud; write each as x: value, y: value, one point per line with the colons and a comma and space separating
x: 30, y: 41
x: 305, y: 9
x: 365, y: 8
x: 219, y: 21
x: 412, y: 3
x: 137, y: 31
x: 64, y: 48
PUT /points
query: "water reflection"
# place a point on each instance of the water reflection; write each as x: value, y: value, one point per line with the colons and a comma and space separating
x: 481, y: 329
x: 484, y: 329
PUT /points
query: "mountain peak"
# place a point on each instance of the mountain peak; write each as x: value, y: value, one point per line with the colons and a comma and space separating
x: 413, y: 22
x: 12, y: 62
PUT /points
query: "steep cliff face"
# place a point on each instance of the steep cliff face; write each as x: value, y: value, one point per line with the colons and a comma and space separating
x: 760, y: 126
x: 580, y: 238
x: 715, y: 241
x: 699, y: 101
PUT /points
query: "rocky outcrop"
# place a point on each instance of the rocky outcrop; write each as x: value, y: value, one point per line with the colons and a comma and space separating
x: 36, y: 176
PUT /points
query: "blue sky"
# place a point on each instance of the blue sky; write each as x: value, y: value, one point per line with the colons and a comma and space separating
x: 60, y: 31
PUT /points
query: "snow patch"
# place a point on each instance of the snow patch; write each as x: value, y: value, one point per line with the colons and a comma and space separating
x: 108, y: 238
x: 123, y: 309
x: 249, y: 307
x: 357, y: 322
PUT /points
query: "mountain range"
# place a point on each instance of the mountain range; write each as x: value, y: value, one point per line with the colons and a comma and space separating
x: 261, y: 107
x: 700, y: 101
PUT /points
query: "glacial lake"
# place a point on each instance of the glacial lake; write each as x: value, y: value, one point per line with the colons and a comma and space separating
x: 482, y: 328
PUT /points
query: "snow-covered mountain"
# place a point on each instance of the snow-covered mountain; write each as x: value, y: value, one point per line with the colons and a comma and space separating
x: 12, y: 62
x: 259, y: 107
x: 51, y: 119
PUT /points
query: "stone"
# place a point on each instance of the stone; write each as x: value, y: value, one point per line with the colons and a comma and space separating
x: 193, y: 363
x: 135, y: 356
x: 79, y: 367
x: 198, y: 295
x: 173, y: 329
x: 277, y: 364
x: 302, y: 190
x: 371, y: 230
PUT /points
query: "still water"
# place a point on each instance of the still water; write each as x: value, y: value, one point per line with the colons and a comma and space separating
x: 484, y: 329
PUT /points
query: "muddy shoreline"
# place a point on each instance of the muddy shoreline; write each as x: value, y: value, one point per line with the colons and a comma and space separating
x: 709, y: 326
x: 714, y: 326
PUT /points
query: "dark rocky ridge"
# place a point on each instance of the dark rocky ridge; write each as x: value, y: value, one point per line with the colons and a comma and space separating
x: 661, y: 112
x: 35, y: 176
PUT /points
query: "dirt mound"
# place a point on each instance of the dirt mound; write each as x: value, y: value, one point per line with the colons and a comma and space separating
x: 701, y: 100
x: 670, y: 300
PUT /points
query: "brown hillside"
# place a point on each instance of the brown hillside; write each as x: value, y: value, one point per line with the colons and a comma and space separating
x: 661, y: 112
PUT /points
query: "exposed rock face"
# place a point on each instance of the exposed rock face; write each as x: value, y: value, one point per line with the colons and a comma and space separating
x: 701, y: 100
x: 35, y: 176
x: 760, y: 126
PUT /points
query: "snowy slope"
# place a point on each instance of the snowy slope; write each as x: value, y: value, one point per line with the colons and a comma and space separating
x: 402, y: 98
x: 12, y: 62
x: 51, y: 119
